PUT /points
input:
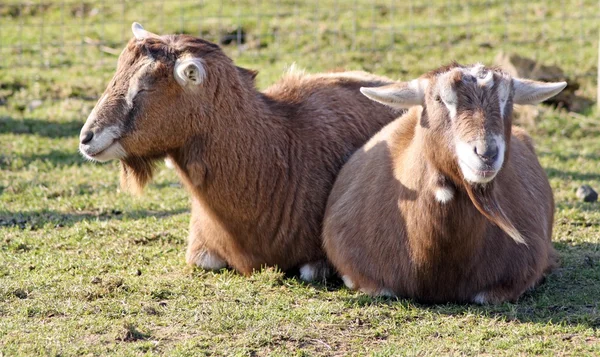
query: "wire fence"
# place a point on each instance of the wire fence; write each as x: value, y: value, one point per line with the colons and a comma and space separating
x: 395, y: 36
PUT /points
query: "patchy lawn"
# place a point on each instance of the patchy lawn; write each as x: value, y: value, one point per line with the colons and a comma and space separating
x: 88, y: 270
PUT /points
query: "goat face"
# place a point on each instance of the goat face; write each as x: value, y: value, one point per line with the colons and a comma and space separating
x: 467, y: 110
x: 149, y: 97
x: 475, y: 104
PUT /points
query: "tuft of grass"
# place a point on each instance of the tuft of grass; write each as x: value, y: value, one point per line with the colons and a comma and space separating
x: 130, y: 333
x: 88, y: 270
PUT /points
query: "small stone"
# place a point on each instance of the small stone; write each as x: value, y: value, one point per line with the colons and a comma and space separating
x: 138, y: 272
x: 587, y: 194
x: 96, y: 280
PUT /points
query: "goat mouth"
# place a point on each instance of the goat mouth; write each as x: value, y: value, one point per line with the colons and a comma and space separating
x: 110, y: 151
x: 485, y: 175
x: 96, y: 153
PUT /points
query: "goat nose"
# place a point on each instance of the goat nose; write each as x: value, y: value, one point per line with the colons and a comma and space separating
x: 86, y: 137
x: 486, y: 150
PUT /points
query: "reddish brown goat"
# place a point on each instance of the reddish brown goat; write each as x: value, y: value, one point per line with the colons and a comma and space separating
x: 448, y: 203
x: 259, y: 166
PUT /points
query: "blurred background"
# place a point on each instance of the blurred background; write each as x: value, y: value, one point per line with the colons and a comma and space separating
x: 56, y: 56
x: 56, y: 50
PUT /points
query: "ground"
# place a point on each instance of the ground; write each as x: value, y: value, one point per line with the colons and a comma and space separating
x: 86, y: 269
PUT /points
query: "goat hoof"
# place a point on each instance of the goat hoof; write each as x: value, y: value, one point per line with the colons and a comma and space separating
x: 169, y: 163
x: 348, y: 282
x: 481, y: 299
x: 382, y: 292
x: 207, y: 260
x: 319, y: 270
x: 385, y: 293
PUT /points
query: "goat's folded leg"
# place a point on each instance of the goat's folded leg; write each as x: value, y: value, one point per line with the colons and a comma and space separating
x: 512, y: 293
x: 498, y: 295
x: 315, y: 271
x: 198, y: 255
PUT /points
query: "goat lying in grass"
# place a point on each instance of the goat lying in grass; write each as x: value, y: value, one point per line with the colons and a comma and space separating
x: 448, y: 203
x: 259, y: 166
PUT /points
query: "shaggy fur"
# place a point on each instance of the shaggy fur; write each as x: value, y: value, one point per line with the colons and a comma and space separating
x: 386, y: 232
x: 259, y: 166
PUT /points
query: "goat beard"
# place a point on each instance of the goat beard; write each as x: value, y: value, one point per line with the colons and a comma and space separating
x: 486, y: 203
x: 136, y: 172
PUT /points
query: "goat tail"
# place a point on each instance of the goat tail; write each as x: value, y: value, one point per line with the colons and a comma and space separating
x: 487, y: 205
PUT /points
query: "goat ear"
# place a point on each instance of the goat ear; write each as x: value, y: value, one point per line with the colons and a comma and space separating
x: 533, y: 92
x: 247, y: 73
x: 398, y: 95
x: 189, y: 71
x: 138, y: 31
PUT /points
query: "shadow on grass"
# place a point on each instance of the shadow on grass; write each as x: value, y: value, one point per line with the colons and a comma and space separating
x: 568, y: 296
x: 55, y: 158
x: 580, y: 206
x: 50, y: 129
x: 33, y: 220
x: 573, y: 175
x: 569, y: 157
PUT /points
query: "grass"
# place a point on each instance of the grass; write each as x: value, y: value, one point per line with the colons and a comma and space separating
x: 88, y: 270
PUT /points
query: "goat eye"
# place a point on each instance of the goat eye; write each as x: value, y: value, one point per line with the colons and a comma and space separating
x: 142, y: 90
x: 438, y: 99
x: 139, y: 93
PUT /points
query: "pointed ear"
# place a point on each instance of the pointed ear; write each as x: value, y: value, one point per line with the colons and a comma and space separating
x: 139, y: 33
x: 247, y: 73
x: 533, y: 92
x: 398, y: 95
x: 189, y: 71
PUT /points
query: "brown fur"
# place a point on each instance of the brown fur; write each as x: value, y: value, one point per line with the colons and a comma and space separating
x: 259, y: 166
x: 385, y: 231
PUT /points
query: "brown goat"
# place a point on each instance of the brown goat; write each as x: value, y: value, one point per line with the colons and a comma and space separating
x: 259, y: 166
x: 448, y: 203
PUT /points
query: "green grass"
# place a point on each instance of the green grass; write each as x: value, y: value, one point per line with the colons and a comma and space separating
x: 88, y: 270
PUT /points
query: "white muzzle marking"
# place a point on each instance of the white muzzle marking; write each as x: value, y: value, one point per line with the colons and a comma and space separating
x: 104, y: 146
x: 471, y: 166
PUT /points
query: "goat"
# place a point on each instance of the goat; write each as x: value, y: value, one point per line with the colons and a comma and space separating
x: 258, y: 166
x: 448, y: 203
